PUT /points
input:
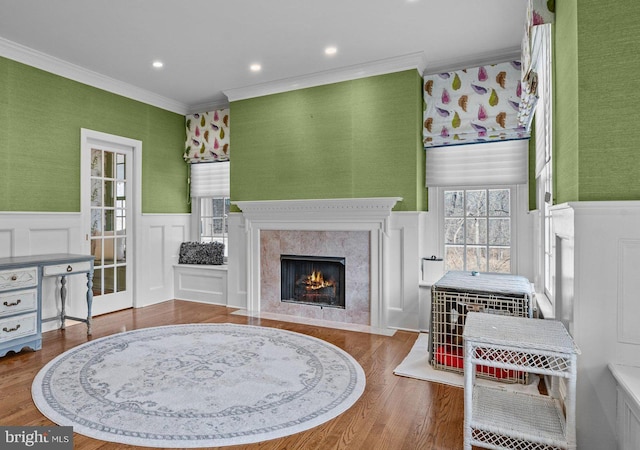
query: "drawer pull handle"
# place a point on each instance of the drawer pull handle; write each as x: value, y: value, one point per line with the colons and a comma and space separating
x: 69, y: 269
x: 9, y: 330
x: 14, y: 277
x: 16, y: 303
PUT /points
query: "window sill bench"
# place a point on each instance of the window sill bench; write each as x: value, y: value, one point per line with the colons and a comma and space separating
x: 200, y: 283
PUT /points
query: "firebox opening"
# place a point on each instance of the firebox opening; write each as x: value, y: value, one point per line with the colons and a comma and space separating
x: 313, y: 280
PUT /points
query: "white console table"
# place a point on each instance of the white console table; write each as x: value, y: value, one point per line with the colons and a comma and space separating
x: 21, y: 296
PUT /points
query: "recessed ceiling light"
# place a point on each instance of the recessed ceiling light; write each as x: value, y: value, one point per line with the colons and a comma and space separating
x: 330, y: 50
x: 255, y: 67
x: 158, y: 64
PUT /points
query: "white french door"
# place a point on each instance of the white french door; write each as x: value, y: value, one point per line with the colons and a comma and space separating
x: 108, y: 213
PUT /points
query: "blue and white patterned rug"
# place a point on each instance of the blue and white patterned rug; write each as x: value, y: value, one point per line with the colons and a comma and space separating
x: 202, y: 385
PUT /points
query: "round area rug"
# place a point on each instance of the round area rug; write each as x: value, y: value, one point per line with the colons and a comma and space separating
x: 203, y: 385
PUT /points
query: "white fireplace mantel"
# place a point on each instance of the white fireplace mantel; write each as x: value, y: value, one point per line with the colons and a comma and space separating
x: 368, y: 214
x: 324, y: 210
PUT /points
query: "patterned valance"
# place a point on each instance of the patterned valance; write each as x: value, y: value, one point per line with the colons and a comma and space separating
x: 473, y: 105
x: 539, y: 12
x: 207, y: 136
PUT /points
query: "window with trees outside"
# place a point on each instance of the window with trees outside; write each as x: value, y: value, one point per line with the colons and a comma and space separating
x: 477, y: 229
x: 213, y: 215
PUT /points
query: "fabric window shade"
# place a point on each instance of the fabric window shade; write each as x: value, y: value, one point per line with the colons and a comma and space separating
x: 539, y: 12
x: 473, y: 105
x: 207, y: 136
x: 210, y: 179
x: 542, y: 44
x: 489, y: 164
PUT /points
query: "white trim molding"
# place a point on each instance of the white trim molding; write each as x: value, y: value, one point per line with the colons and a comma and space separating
x: 48, y: 63
x: 382, y: 67
x: 366, y: 214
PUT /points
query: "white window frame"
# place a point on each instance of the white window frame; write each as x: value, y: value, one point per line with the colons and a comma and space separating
x: 514, y: 213
x: 545, y: 276
x: 196, y: 220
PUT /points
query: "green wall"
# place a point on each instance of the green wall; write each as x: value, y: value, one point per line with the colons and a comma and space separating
x: 596, y: 131
x: 41, y: 115
x: 359, y: 138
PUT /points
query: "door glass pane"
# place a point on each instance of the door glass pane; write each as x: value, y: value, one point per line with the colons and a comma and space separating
x: 108, y: 165
x: 97, y: 282
x: 121, y: 250
x: 96, y: 163
x: 109, y: 280
x: 121, y: 273
x: 109, y: 246
x: 96, y: 222
x: 120, y: 166
x: 96, y: 251
x: 109, y: 219
x: 96, y: 192
x: 108, y: 193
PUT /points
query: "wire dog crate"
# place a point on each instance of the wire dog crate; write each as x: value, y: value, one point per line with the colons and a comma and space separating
x: 458, y: 293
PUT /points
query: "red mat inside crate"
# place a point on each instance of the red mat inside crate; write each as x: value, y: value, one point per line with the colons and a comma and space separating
x: 453, y: 357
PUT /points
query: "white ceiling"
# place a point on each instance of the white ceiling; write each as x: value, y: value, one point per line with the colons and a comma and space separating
x: 208, y: 45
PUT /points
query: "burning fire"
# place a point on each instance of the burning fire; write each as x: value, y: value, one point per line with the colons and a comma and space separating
x: 316, y: 281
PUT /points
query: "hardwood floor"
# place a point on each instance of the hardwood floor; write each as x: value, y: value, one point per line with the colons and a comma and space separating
x: 393, y: 413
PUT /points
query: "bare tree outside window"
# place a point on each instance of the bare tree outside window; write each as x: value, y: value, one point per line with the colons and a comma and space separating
x: 214, y: 212
x: 477, y: 230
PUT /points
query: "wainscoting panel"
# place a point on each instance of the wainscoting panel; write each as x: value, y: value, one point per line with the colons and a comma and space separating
x: 207, y: 284
x: 24, y: 234
x: 237, y: 262
x: 402, y: 288
x: 628, y: 291
x: 161, y: 236
x: 156, y: 252
x: 598, y: 255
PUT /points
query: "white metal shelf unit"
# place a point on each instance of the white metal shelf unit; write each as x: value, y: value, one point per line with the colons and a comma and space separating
x: 499, y: 419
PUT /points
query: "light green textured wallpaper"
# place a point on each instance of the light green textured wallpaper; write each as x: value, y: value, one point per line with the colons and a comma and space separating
x: 596, y: 116
x: 359, y: 138
x: 608, y: 73
x: 565, y: 127
x: 41, y: 117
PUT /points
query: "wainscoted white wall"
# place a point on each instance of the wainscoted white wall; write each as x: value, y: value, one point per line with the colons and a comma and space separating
x: 237, y: 262
x: 161, y: 236
x: 597, y: 296
x: 402, y: 288
x: 156, y: 252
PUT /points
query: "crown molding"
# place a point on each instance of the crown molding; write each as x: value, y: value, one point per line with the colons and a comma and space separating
x: 207, y: 106
x: 479, y: 59
x: 39, y: 60
x: 390, y: 65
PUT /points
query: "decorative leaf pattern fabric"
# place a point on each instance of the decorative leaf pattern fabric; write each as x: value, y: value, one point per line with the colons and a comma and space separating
x: 207, y: 136
x: 472, y: 105
x: 539, y: 12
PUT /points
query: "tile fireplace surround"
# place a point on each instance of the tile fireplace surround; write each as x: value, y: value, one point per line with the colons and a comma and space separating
x: 354, y: 228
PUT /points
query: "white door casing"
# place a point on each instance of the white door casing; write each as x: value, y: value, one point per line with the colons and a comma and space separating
x: 117, y: 262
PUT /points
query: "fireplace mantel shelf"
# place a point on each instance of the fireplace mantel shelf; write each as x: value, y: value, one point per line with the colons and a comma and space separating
x: 338, y: 208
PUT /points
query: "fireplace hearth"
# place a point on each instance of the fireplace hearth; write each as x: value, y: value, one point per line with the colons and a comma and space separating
x: 313, y: 280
